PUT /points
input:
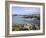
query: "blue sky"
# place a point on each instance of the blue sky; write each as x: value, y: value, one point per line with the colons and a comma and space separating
x: 25, y: 10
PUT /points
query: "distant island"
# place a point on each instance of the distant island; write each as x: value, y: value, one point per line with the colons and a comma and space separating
x: 26, y: 15
x: 29, y: 16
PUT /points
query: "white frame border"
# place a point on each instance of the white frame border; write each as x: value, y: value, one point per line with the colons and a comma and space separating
x: 24, y: 32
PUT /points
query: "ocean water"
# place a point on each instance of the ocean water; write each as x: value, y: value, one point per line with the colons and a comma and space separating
x: 20, y: 20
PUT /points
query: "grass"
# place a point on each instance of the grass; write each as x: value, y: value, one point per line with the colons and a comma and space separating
x: 17, y: 27
x: 20, y: 27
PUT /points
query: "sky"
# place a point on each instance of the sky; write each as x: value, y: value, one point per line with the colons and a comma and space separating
x: 25, y: 10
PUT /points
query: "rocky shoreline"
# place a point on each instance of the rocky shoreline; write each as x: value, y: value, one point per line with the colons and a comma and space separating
x: 23, y: 27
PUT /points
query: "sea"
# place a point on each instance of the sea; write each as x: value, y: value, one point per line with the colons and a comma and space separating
x: 21, y: 20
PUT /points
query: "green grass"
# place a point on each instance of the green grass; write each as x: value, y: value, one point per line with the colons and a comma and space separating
x: 17, y: 27
x: 20, y: 27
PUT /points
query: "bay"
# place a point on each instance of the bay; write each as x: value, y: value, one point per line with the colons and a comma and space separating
x: 21, y: 20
